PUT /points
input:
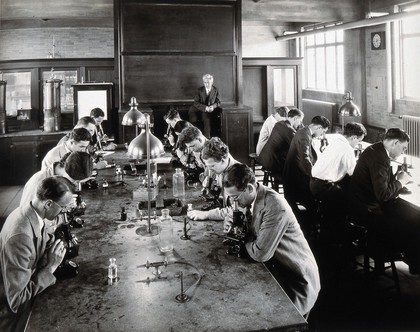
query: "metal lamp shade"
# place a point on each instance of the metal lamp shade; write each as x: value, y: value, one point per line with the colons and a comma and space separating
x: 138, y: 146
x: 349, y: 108
x: 133, y: 117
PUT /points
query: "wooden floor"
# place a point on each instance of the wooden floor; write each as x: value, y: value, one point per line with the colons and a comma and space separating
x: 346, y: 301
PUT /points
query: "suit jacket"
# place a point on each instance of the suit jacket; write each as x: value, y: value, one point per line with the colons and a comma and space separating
x: 201, y: 100
x: 278, y: 234
x: 54, y: 155
x: 273, y: 155
x: 373, y: 183
x: 300, y: 158
x: 22, y: 245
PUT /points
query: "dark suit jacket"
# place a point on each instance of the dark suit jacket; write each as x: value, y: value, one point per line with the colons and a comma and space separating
x: 278, y: 234
x: 201, y: 100
x: 373, y: 182
x: 273, y: 155
x: 22, y: 246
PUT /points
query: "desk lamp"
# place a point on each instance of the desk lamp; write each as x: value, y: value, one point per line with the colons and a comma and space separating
x: 348, y: 109
x: 146, y: 145
x: 133, y: 117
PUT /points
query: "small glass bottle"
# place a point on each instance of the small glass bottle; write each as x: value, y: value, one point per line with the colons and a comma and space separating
x: 165, y: 232
x: 178, y: 183
x: 112, y: 269
x: 123, y: 214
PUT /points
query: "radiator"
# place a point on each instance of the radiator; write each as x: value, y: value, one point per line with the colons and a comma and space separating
x: 411, y: 124
x: 313, y: 108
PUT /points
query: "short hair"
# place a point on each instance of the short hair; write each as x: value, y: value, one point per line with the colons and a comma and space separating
x: 207, y: 76
x: 171, y: 114
x: 295, y: 112
x: 238, y: 176
x: 189, y: 134
x: 215, y: 148
x: 53, y: 187
x: 397, y: 133
x: 97, y: 112
x: 354, y: 129
x: 79, y: 165
x: 282, y: 111
x: 81, y: 134
x: 85, y: 121
x: 181, y: 125
x: 321, y: 120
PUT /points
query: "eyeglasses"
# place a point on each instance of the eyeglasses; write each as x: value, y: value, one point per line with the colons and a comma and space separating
x: 63, y: 209
x: 237, y: 197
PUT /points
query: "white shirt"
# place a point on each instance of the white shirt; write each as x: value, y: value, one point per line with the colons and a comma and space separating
x: 265, y: 132
x: 336, y: 161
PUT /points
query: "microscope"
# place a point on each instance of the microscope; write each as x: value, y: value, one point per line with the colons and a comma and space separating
x: 211, y: 191
x: 68, y: 268
x: 235, y: 237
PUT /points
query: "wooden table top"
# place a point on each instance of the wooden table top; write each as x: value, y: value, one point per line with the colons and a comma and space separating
x: 226, y: 293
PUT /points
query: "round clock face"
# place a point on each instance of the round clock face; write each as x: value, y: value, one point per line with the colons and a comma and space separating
x: 376, y: 41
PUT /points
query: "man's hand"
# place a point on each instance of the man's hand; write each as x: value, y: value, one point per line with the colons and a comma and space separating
x: 197, y: 215
x: 227, y: 225
x: 55, y: 255
x: 403, y: 177
x: 171, y: 139
x: 101, y: 164
x: 211, y: 108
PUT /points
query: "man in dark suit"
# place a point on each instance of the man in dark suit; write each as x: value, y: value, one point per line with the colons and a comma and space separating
x: 273, y: 155
x: 299, y: 161
x: 273, y: 233
x: 206, y: 112
x: 27, y: 259
x: 373, y: 192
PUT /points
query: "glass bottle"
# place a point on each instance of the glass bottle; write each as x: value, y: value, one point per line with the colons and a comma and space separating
x: 112, y: 269
x: 123, y: 214
x: 178, y: 183
x: 165, y: 232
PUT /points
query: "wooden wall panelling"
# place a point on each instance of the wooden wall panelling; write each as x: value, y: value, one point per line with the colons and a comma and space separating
x: 255, y: 91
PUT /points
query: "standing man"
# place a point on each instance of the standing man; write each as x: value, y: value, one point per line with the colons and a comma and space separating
x: 27, y: 260
x: 273, y: 231
x: 299, y: 161
x: 373, y: 192
x: 206, y: 111
x: 79, y: 141
x: 273, y: 155
x: 280, y: 113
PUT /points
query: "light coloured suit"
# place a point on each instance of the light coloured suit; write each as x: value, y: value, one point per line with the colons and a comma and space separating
x: 54, y: 155
x: 30, y: 188
x: 22, y: 245
x: 277, y: 234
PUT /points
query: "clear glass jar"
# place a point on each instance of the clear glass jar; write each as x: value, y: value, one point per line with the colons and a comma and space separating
x: 178, y: 183
x: 165, y: 232
x: 112, y: 269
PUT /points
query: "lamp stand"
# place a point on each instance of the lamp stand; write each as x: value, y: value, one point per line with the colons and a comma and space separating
x: 149, y: 229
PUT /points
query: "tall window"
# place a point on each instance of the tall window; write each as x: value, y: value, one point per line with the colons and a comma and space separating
x: 409, y: 58
x: 324, y: 61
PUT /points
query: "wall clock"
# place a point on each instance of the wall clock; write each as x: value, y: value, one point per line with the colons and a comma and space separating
x: 377, y: 40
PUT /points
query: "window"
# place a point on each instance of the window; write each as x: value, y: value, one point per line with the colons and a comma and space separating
x: 409, y: 43
x: 324, y: 61
x: 18, y: 92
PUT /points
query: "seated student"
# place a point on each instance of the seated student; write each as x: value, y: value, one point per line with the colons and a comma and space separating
x: 84, y: 122
x: 27, y: 258
x: 171, y: 118
x: 273, y: 232
x: 194, y: 140
x: 372, y: 198
x: 206, y: 111
x: 280, y: 113
x: 334, y: 166
x: 273, y: 155
x: 100, y: 140
x: 217, y: 159
x: 74, y: 166
x: 298, y: 165
x: 79, y: 141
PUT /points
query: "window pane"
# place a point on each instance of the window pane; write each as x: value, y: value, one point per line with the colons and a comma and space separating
x: 331, y: 65
x: 18, y: 92
x: 411, y: 68
x: 310, y: 40
x: 310, y: 60
x: 330, y: 37
x: 320, y: 68
x: 320, y: 38
x: 284, y: 87
x: 339, y: 35
x: 340, y: 68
